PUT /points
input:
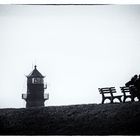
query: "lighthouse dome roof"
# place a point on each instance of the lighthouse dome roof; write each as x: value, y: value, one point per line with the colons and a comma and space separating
x: 35, y: 73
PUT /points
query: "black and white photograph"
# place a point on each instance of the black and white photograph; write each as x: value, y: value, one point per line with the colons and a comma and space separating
x: 70, y: 69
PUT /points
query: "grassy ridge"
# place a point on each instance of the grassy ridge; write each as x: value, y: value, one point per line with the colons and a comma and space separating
x: 90, y: 119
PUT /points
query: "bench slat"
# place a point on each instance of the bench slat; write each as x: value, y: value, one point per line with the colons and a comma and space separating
x: 107, y: 91
x: 106, y: 88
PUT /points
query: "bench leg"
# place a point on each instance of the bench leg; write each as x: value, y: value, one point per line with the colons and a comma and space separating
x: 120, y: 100
x: 132, y: 98
x: 111, y: 100
x: 124, y: 99
x: 103, y: 101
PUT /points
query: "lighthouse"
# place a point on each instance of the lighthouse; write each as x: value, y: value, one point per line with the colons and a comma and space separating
x: 35, y: 96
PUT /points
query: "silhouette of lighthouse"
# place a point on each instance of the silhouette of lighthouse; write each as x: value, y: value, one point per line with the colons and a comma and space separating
x: 35, y: 96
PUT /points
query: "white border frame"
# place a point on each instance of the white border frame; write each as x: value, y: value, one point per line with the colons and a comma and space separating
x: 70, y: 2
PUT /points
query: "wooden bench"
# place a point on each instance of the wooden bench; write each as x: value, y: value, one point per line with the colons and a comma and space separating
x: 126, y: 94
x: 108, y: 93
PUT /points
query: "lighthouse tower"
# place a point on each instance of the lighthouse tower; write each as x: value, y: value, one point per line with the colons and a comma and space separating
x: 35, y: 96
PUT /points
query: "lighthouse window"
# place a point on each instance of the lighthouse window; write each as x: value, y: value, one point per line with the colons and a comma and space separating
x: 37, y: 80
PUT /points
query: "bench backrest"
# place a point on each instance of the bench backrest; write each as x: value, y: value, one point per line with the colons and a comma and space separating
x: 125, y: 90
x: 107, y: 90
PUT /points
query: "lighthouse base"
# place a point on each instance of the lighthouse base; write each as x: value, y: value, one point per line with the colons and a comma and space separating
x: 35, y: 104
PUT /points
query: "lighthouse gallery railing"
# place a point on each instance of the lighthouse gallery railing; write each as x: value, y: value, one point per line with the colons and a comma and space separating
x: 46, y: 96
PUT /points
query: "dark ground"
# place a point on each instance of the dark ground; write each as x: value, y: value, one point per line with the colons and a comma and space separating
x: 92, y: 119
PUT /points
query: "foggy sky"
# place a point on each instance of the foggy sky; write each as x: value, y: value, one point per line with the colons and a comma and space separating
x: 77, y: 48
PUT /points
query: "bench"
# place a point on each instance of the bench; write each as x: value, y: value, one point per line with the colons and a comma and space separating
x: 108, y: 93
x: 126, y: 94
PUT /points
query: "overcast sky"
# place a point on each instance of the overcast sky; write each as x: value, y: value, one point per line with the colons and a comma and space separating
x: 77, y: 48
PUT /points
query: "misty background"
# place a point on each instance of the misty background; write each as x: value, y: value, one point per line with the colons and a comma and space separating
x: 77, y: 48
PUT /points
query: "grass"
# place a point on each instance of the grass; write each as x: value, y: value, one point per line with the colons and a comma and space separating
x: 87, y: 119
